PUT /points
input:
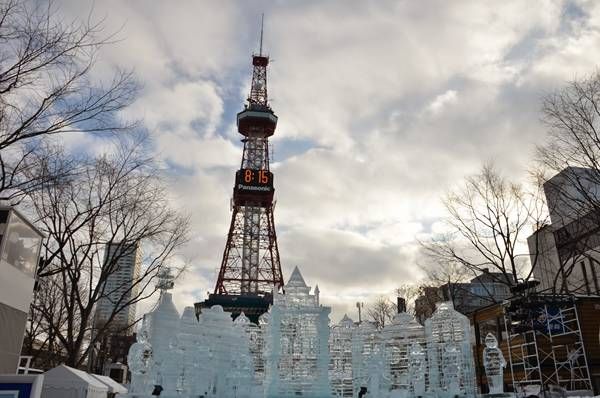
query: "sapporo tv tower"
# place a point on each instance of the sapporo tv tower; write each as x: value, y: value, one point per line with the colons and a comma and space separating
x: 250, y: 269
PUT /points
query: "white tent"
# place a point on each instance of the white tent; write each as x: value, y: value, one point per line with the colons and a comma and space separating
x: 66, y: 382
x: 113, y: 386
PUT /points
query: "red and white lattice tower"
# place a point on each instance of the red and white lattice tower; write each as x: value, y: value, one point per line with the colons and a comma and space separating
x: 250, y: 269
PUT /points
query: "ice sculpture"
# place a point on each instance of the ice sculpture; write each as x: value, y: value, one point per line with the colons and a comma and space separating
x: 242, y: 374
x: 288, y: 354
x: 192, y: 380
x: 230, y: 372
x: 139, y: 359
x: 450, y: 357
x: 417, y: 368
x: 494, y: 364
x: 215, y: 327
x: 164, y: 322
x: 398, y: 336
x: 260, y: 364
x: 369, y: 369
x: 451, y: 368
x: 254, y: 337
x: 340, y: 350
x: 297, y: 334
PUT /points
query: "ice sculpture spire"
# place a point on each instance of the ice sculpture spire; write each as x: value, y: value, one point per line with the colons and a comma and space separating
x: 296, y: 280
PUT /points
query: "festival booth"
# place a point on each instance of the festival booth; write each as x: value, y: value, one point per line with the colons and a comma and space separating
x: 114, y: 388
x: 66, y: 382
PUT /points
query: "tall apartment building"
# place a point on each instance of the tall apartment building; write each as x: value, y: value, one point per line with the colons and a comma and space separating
x: 565, y: 254
x: 126, y: 260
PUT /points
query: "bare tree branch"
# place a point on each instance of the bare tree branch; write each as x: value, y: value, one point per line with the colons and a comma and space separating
x: 114, y: 199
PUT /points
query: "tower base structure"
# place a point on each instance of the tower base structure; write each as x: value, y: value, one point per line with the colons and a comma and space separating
x: 253, y: 306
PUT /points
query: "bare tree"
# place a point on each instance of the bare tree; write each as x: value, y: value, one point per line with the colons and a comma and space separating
x: 381, y: 311
x: 40, y: 339
x: 115, y: 199
x: 572, y: 153
x: 489, y: 218
x: 46, y: 87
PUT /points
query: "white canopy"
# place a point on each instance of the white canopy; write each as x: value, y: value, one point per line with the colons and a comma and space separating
x: 66, y: 382
x: 113, y: 386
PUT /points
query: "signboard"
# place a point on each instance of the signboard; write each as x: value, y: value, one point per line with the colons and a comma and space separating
x: 21, y: 386
x: 253, y: 185
x: 252, y: 180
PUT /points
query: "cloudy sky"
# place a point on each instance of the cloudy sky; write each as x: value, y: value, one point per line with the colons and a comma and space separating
x: 382, y: 105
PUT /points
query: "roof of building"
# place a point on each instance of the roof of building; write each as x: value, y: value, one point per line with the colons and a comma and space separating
x: 296, y: 279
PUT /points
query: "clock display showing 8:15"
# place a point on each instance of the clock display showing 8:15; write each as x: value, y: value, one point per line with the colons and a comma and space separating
x: 255, y: 177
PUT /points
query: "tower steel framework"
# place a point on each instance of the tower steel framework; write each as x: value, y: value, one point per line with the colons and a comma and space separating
x: 251, y: 269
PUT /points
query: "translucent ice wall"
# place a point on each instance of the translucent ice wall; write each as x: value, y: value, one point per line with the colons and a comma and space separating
x: 297, y: 336
x: 251, y: 348
x: 194, y: 367
x: 139, y: 359
x: 369, y: 369
x: 340, y: 351
x: 230, y: 372
x: 164, y: 324
x: 397, y: 338
x: 449, y: 353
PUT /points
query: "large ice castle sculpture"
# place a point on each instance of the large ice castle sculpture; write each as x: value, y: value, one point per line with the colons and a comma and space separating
x: 449, y: 353
x: 292, y: 353
x: 297, y: 334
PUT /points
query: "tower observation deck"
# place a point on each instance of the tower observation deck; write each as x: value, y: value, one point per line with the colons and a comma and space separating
x: 250, y: 270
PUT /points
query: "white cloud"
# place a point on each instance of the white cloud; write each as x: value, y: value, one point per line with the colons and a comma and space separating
x: 401, y: 100
x: 442, y: 101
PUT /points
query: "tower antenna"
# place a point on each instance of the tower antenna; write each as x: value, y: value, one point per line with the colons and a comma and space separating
x: 262, y: 24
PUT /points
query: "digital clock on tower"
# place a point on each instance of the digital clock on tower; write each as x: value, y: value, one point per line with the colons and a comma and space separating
x: 253, y: 180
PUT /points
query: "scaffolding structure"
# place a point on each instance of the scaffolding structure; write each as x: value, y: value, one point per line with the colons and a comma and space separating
x: 545, y: 346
